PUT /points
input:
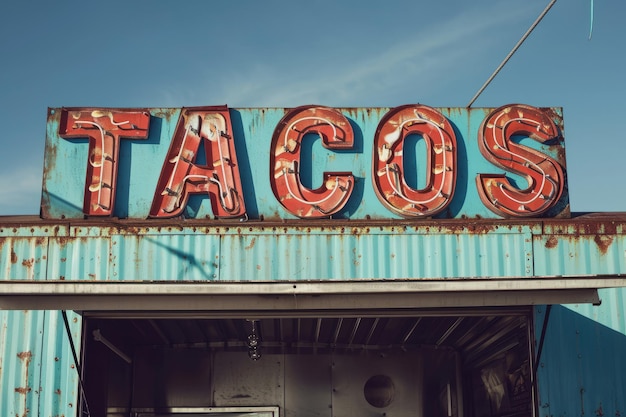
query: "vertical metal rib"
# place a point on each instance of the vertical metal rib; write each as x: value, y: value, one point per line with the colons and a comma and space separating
x: 354, y: 330
x: 318, y: 329
x: 337, y: 330
x: 410, y: 332
x: 371, y: 332
x: 449, y: 331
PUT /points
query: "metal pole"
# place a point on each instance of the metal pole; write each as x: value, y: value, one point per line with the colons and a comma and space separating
x: 76, y: 363
x: 515, y: 48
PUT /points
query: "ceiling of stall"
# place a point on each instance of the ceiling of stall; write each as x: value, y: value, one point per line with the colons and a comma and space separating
x: 469, y: 334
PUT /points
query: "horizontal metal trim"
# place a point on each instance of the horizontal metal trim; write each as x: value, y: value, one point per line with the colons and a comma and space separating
x: 523, y: 310
x: 207, y: 410
x: 280, y: 298
x: 83, y: 288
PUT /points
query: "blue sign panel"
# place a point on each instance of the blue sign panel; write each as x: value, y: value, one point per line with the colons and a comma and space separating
x: 309, y: 162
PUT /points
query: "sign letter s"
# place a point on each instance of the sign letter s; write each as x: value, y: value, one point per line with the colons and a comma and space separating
x: 545, y: 176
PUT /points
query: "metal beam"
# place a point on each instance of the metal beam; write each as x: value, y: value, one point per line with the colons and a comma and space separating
x: 274, y: 297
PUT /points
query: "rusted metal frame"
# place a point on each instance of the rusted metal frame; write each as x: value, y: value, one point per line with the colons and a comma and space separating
x: 580, y: 224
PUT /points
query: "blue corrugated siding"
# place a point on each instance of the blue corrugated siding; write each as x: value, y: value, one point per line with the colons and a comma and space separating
x: 258, y: 253
x: 569, y: 255
x: 25, y: 260
x: 582, y: 370
x: 582, y: 366
x: 37, y: 375
x: 388, y: 256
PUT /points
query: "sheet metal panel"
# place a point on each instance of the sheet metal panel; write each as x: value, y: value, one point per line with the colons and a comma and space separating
x: 262, y: 251
x: 37, y: 375
x: 84, y: 250
x: 582, y: 369
x: 165, y: 257
x: 78, y: 258
x: 269, y: 254
x: 568, y: 254
x: 401, y: 255
x: 23, y: 257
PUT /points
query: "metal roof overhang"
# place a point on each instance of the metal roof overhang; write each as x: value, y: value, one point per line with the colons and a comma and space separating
x: 273, y: 299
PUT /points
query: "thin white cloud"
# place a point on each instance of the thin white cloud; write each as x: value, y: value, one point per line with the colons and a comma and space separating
x: 421, y: 60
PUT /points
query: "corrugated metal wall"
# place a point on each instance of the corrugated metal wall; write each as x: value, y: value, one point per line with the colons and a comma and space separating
x: 582, y: 367
x: 37, y: 371
x: 269, y: 253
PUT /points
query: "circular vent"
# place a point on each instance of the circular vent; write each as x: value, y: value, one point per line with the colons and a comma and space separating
x: 379, y: 391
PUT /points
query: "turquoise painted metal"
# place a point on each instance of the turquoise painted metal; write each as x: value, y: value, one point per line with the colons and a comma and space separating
x: 38, y: 377
x: 37, y: 372
x: 582, y: 368
x: 140, y: 163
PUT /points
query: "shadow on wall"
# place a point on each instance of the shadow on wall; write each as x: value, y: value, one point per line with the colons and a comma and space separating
x: 582, y: 367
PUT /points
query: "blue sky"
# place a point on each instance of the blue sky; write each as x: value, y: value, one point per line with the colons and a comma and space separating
x: 288, y: 53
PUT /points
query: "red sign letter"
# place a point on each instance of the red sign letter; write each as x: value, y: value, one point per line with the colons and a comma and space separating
x: 104, y: 128
x: 388, y: 172
x: 544, y: 175
x: 336, y: 133
x: 180, y: 177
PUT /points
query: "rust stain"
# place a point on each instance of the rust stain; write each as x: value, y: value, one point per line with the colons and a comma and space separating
x: 252, y: 243
x: 603, y: 242
x: 22, y: 390
x: 552, y: 242
x: 28, y: 263
x: 13, y: 257
x: 599, y: 411
x: 25, y: 357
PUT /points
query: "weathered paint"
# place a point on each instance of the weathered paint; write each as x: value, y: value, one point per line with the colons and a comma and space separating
x: 37, y: 376
x: 183, y: 250
x: 582, y: 368
x: 141, y: 161
x: 37, y: 373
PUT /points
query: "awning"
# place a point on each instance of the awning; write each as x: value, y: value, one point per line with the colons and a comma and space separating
x: 276, y: 298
